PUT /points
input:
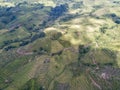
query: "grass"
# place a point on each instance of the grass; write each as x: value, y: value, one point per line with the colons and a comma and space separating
x: 6, y: 4
x: 81, y: 82
x: 62, y: 68
x: 20, y: 81
x: 106, y: 57
x: 12, y: 69
x: 118, y: 59
x: 20, y: 33
x: 56, y: 47
x: 41, y: 43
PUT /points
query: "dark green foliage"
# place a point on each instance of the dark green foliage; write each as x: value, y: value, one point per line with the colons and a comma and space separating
x: 114, y: 17
x: 103, y: 29
x: 10, y: 14
x: 53, y: 14
x: 59, y: 2
x: 97, y: 6
x: 56, y: 36
x: 24, y: 43
x: 41, y: 51
x: 8, y: 42
x: 58, y: 11
x: 68, y: 17
x: 6, y: 15
x: 117, y: 21
x: 9, y: 47
x: 36, y: 36
x: 116, y: 2
x: 82, y: 51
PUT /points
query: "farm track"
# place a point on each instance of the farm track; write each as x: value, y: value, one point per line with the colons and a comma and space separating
x: 23, y: 52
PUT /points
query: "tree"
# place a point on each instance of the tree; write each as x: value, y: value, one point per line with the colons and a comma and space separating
x: 58, y: 11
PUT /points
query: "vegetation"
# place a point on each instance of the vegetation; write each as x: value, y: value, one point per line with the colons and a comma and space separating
x: 59, y: 45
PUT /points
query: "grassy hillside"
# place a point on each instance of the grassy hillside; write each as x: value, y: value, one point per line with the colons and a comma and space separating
x: 59, y: 45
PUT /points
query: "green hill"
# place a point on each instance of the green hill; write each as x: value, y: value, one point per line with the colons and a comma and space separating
x: 59, y: 45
